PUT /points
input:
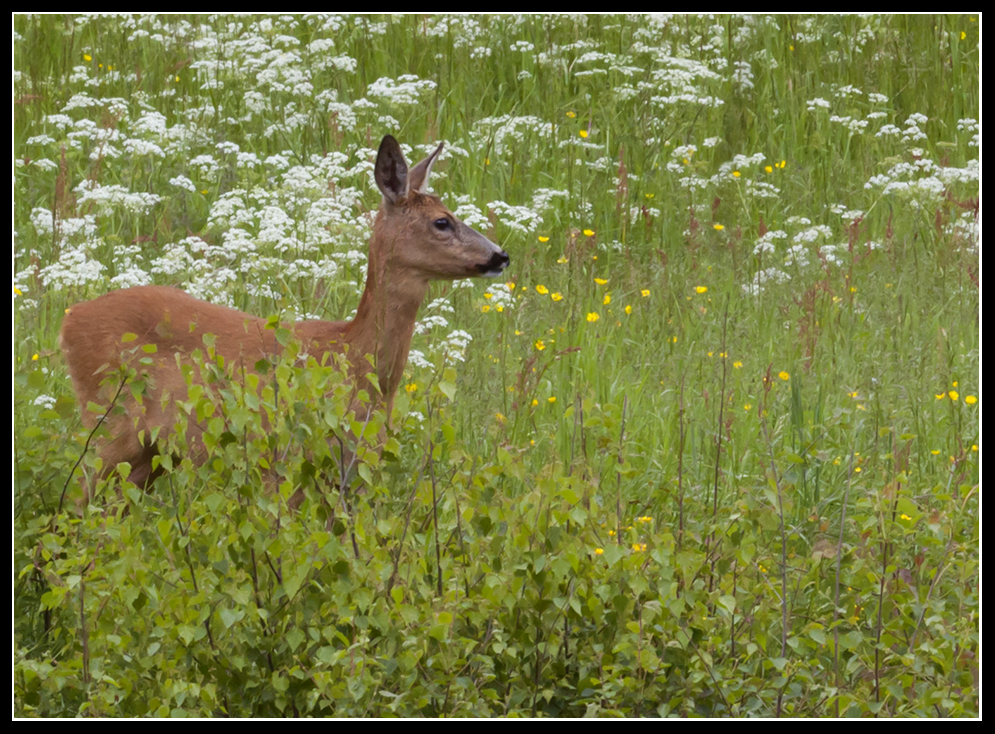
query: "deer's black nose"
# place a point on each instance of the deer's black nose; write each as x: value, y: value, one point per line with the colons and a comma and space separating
x: 498, y: 262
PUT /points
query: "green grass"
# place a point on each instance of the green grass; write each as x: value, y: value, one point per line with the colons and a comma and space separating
x: 748, y: 487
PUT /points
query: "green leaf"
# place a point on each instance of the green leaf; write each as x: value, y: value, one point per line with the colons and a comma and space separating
x: 231, y: 616
x: 448, y: 433
x: 728, y: 602
x: 292, y: 582
x: 214, y: 501
x: 327, y: 654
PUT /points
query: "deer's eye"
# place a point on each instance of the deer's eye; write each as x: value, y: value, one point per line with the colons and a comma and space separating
x: 442, y: 224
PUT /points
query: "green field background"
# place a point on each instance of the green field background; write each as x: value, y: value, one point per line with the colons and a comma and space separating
x: 708, y: 447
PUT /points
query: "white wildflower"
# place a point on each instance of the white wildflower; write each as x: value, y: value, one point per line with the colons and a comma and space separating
x: 182, y: 182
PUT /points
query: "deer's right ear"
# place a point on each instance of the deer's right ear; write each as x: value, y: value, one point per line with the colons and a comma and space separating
x: 391, y: 170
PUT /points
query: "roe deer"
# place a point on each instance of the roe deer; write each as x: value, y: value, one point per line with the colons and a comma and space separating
x: 415, y: 239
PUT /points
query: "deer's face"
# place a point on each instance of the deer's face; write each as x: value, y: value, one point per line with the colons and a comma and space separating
x: 431, y: 240
x: 419, y: 232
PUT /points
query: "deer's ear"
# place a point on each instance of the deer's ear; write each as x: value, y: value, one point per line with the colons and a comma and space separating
x: 418, y: 180
x: 391, y: 170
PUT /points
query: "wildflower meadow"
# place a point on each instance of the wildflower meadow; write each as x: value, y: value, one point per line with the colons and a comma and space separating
x: 708, y: 447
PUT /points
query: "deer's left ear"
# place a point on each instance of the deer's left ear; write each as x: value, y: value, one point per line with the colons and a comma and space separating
x: 418, y: 180
x: 391, y: 170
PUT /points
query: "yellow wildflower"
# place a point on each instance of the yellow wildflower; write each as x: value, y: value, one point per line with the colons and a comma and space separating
x: 599, y: 551
x: 970, y: 400
x: 593, y: 316
x: 543, y: 239
x: 552, y: 399
x: 571, y: 114
x: 600, y: 281
x: 541, y: 289
x: 719, y: 227
x: 644, y: 292
x: 607, y: 299
x: 784, y: 375
x: 701, y: 289
x: 954, y: 395
x: 589, y: 233
x: 410, y: 387
x: 557, y: 296
x: 540, y: 345
x: 628, y: 310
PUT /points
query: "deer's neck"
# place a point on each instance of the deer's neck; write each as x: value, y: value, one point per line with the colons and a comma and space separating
x: 384, y: 323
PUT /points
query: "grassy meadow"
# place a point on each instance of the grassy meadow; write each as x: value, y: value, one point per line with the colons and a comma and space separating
x: 709, y: 447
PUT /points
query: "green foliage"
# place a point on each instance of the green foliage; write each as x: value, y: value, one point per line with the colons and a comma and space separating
x: 712, y: 451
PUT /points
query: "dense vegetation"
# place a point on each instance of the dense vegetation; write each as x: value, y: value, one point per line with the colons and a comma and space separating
x: 710, y: 449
